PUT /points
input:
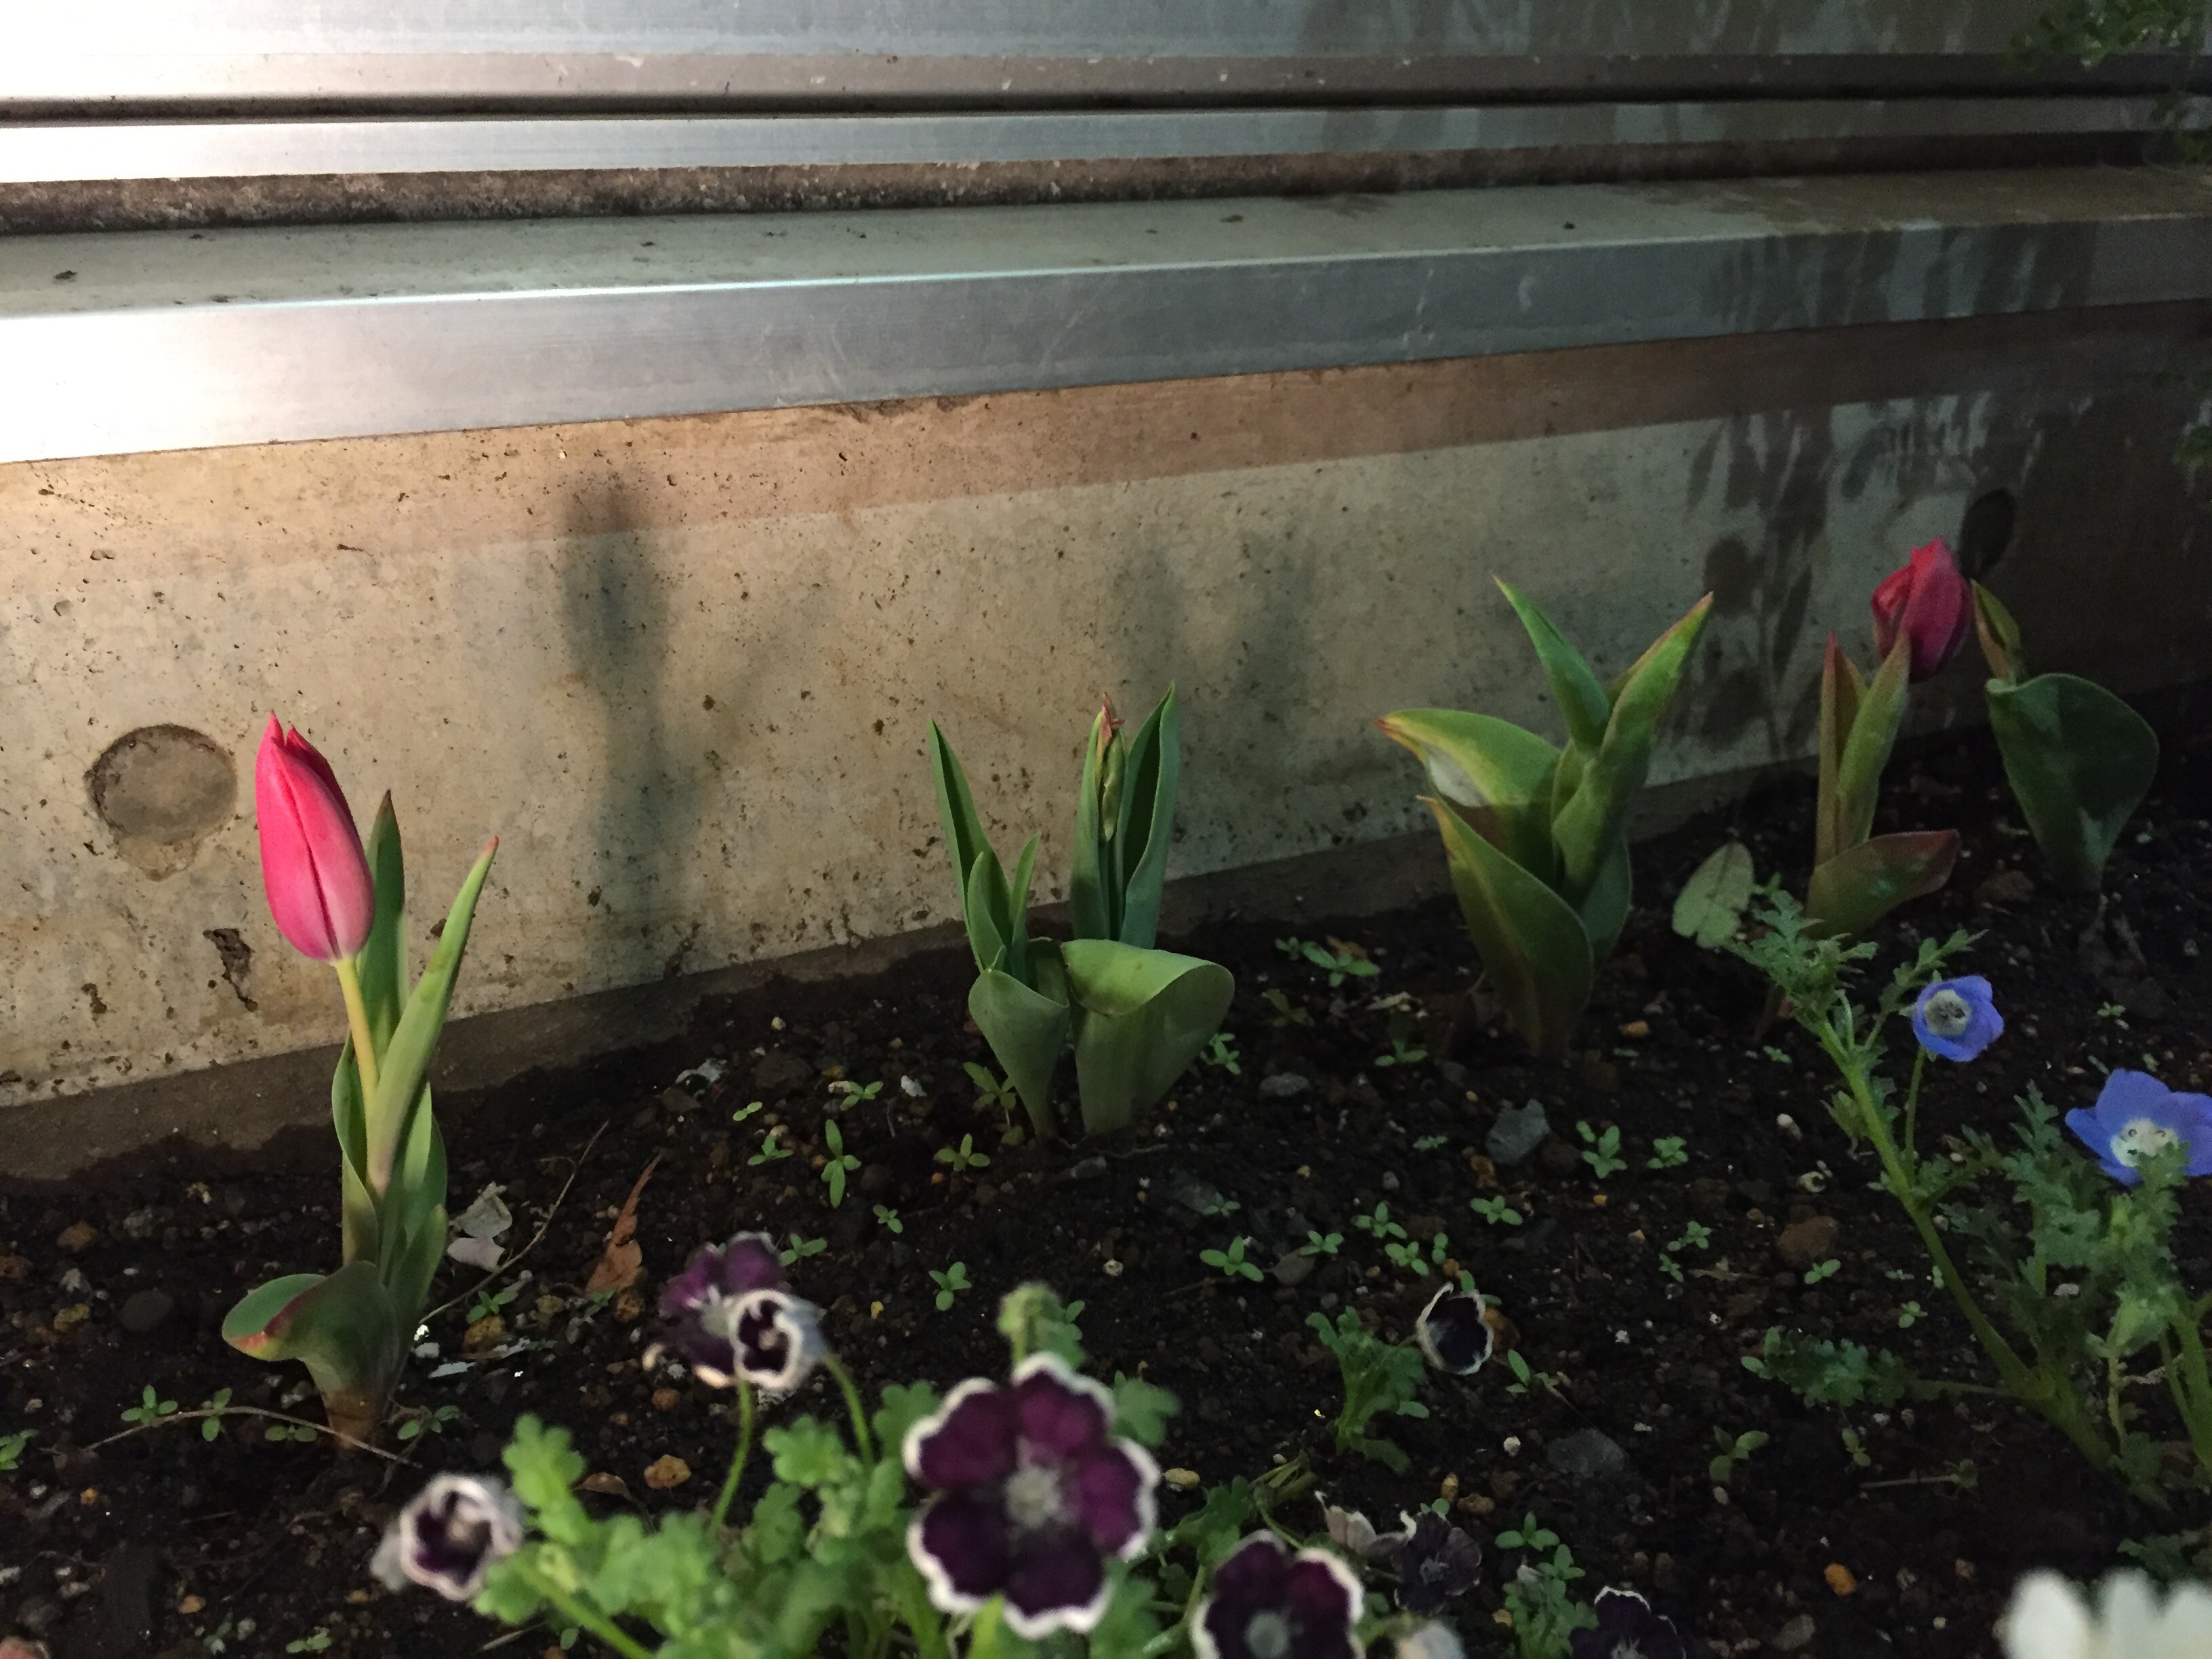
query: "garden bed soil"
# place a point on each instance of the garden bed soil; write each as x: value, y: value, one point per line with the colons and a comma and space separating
x: 157, y: 1541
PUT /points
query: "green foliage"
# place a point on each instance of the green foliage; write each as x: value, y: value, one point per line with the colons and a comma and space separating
x: 1602, y: 1151
x: 1496, y: 1210
x: 1533, y: 836
x: 1336, y: 959
x: 2090, y: 31
x: 1220, y: 1051
x: 991, y: 1090
x: 12, y: 1446
x: 1322, y: 1243
x: 1141, y: 1410
x: 771, y: 1149
x: 838, y: 1165
x: 1401, y: 1053
x: 1545, y: 1609
x: 488, y: 1303
x: 950, y: 1282
x: 1668, y: 1152
x: 964, y: 1158
x: 889, y: 1219
x: 1033, y: 1319
x: 1820, y: 1270
x: 1286, y: 1012
x: 150, y: 1409
x: 1410, y: 1257
x: 316, y: 1641
x: 1378, y: 1376
x: 1377, y: 1222
x: 1230, y: 1261
x: 1710, y: 906
x: 1734, y: 1450
x: 797, y: 1249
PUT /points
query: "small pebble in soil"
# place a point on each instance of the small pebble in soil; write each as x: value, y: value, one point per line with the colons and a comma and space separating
x: 1293, y: 1269
x: 144, y: 1312
x: 1587, y: 1455
x: 1794, y: 1635
x: 666, y: 1473
x: 1283, y: 1086
x: 1518, y: 1132
x: 77, y: 1237
x: 1803, y: 1244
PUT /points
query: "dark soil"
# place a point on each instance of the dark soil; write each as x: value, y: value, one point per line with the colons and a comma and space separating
x: 153, y: 1542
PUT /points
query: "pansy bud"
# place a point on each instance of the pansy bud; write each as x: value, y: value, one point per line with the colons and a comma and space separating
x: 1927, y: 601
x: 450, y: 1536
x: 312, y: 864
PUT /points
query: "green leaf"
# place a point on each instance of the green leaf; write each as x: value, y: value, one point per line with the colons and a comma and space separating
x: 904, y: 1406
x: 1091, y: 896
x: 807, y: 1453
x: 341, y: 1328
x: 1026, y: 1029
x: 956, y: 805
x: 1497, y: 776
x: 1580, y: 698
x: 985, y: 909
x: 2000, y: 637
x: 1147, y: 823
x: 2080, y: 761
x: 1141, y: 1410
x: 1710, y: 906
x: 1532, y: 944
x: 1218, y: 1525
x: 1841, y: 687
x: 400, y: 1091
x: 383, y: 963
x: 1140, y: 1018
x: 357, y: 1204
x: 1866, y: 750
x: 1604, y: 911
x: 1861, y: 885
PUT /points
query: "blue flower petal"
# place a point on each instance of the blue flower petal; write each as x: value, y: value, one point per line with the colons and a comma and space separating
x: 2132, y: 1098
x: 1983, y: 1024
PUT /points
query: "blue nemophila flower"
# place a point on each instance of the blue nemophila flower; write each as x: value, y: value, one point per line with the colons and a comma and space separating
x: 1453, y: 1334
x: 1267, y: 1603
x: 1031, y: 1493
x: 1956, y: 1018
x: 450, y: 1536
x: 1436, y: 1562
x: 1626, y: 1628
x: 2138, y: 1117
x: 704, y: 1306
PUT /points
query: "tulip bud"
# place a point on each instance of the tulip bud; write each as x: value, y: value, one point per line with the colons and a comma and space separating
x: 1930, y: 603
x: 311, y: 863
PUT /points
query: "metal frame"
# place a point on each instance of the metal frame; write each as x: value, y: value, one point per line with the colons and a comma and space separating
x: 160, y: 341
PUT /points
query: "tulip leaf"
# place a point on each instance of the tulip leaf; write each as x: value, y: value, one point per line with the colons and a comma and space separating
x: 1710, y: 906
x: 1017, y: 912
x: 2080, y: 761
x: 1841, y: 688
x: 1475, y: 760
x: 1141, y: 1017
x: 1147, y: 823
x: 956, y: 805
x: 1530, y: 940
x: 1604, y: 911
x: 1867, y: 750
x: 1090, y: 877
x: 357, y: 1204
x: 1589, y: 826
x: 399, y: 1083
x: 341, y: 1328
x: 983, y: 909
x: 1026, y: 1029
x: 383, y: 963
x: 2000, y: 637
x: 1580, y: 695
x: 1862, y: 883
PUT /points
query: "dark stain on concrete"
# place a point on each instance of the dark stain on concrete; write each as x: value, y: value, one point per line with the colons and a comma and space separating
x: 162, y: 790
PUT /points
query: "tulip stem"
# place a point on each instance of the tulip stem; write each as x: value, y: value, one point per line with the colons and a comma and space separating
x: 364, y: 1051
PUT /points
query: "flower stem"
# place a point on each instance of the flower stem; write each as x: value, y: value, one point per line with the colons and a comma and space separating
x: 738, y: 1462
x: 1912, y: 1105
x: 364, y: 1051
x: 865, y: 1441
x: 574, y: 1611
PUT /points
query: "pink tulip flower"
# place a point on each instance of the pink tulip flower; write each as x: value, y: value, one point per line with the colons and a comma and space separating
x: 1927, y: 601
x: 311, y: 863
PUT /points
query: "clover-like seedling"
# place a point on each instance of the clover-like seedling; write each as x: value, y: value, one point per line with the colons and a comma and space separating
x: 1221, y: 1052
x: 771, y: 1149
x: 1526, y: 1378
x: 1378, y: 1223
x: 992, y: 1089
x: 1696, y: 1235
x: 150, y: 1409
x: 890, y: 1218
x: 278, y: 1433
x: 1401, y: 1053
x: 839, y: 1163
x: 1529, y: 1535
x: 1779, y: 1056
x: 1286, y: 1012
x: 1429, y: 1143
x: 962, y: 1157
x: 1339, y: 965
x: 1909, y: 1313
x: 1733, y: 1452
x: 433, y: 1422
x: 1231, y: 1262
x: 950, y: 1283
x: 316, y: 1641
x: 1496, y: 1210
x: 797, y: 1249
x: 1820, y: 1270
x: 854, y: 1094
x: 490, y: 1302
x: 750, y: 1108
x: 1321, y: 1243
x: 1667, y: 1152
x: 1602, y: 1151
x: 11, y: 1448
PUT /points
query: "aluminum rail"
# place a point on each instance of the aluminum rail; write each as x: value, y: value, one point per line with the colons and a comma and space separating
x: 36, y: 153
x: 161, y: 340
x: 709, y: 52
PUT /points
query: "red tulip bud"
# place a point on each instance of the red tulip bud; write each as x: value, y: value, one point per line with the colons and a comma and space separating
x: 1930, y: 603
x: 311, y: 863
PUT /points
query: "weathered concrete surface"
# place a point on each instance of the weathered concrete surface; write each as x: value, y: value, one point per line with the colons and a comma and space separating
x: 683, y: 667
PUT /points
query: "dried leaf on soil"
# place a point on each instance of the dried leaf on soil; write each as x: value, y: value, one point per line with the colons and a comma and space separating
x: 622, y: 1261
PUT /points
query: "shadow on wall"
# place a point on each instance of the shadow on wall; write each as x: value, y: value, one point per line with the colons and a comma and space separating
x: 616, y: 619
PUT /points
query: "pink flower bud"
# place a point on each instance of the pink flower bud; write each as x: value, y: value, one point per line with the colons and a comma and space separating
x: 311, y: 863
x: 1927, y: 601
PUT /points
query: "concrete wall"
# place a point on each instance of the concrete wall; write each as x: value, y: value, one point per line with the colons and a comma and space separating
x: 683, y: 667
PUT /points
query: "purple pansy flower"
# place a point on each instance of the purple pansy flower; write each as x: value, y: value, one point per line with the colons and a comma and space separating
x: 1436, y: 1562
x: 2136, y: 1117
x: 1956, y: 1018
x: 1031, y: 1493
x: 450, y: 1536
x: 1626, y: 1629
x: 701, y: 1303
x: 1453, y: 1334
x: 1267, y: 1603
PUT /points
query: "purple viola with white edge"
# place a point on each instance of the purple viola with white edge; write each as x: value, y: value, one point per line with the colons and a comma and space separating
x: 2138, y: 1117
x: 1626, y: 1628
x: 1436, y: 1563
x: 449, y: 1537
x: 1957, y: 1019
x: 1264, y: 1602
x: 702, y: 1303
x: 1452, y: 1332
x: 1030, y: 1495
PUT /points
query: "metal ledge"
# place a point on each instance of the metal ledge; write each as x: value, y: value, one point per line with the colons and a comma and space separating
x: 45, y: 153
x: 166, y: 340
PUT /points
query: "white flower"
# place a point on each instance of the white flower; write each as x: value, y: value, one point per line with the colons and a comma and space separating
x: 2048, y: 1619
x: 1430, y: 1641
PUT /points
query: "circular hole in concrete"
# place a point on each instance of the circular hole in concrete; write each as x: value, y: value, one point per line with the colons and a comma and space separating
x: 161, y: 791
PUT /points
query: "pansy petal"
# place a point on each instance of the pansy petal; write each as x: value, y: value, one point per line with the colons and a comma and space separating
x: 1452, y: 1334
x: 961, y: 1545
x: 1323, y: 1599
x: 1254, y: 1571
x: 1057, y: 1582
x: 1060, y: 1414
x: 1110, y: 1494
x: 969, y: 1441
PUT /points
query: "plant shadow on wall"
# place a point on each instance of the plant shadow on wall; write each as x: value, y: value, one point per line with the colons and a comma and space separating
x: 615, y: 619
